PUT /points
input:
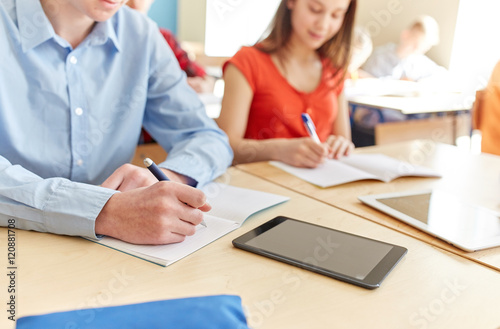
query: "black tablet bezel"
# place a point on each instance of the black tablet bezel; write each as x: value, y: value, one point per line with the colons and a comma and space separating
x: 372, y: 279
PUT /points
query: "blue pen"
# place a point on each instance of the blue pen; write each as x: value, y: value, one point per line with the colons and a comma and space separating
x: 311, y: 129
x: 160, y: 175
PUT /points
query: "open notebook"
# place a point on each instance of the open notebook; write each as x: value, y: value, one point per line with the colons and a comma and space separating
x: 357, y: 167
x: 231, y: 206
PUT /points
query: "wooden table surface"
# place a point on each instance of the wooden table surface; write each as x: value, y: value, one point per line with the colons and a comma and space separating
x: 475, y: 178
x: 429, y: 288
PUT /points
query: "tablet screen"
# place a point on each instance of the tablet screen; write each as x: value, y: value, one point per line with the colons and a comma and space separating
x: 332, y: 250
x: 416, y: 206
x: 442, y: 214
x: 445, y: 214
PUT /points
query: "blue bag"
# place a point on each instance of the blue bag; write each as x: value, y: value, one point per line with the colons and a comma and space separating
x: 217, y: 312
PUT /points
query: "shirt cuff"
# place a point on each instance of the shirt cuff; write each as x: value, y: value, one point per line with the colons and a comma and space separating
x: 73, y: 207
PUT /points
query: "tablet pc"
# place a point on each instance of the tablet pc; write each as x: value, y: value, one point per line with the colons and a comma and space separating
x: 340, y: 255
x: 442, y: 214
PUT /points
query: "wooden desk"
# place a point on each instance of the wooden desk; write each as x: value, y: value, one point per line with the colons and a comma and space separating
x: 150, y: 150
x: 473, y: 177
x: 454, y: 124
x: 432, y: 103
x: 430, y: 288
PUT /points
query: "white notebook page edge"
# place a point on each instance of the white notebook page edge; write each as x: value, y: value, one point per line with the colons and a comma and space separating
x: 330, y: 173
x: 170, y: 253
x: 244, y: 202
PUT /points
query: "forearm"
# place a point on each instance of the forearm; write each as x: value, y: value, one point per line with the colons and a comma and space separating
x: 342, y: 125
x: 53, y: 205
x: 342, y: 128
x: 251, y: 150
x: 201, y: 157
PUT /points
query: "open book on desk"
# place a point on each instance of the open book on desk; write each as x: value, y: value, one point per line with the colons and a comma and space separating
x: 231, y: 206
x: 357, y: 167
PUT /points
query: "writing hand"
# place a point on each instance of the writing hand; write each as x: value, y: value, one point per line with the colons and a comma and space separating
x: 129, y: 177
x: 165, y: 212
x: 338, y: 146
x: 301, y: 152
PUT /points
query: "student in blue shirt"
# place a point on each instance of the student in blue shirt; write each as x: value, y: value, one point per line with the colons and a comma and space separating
x: 406, y: 60
x: 78, y: 79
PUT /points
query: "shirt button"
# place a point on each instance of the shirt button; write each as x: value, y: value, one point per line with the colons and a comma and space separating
x: 309, y: 110
x: 73, y: 60
x: 78, y: 111
x: 79, y: 162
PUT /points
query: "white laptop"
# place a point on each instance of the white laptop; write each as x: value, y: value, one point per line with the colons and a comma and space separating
x: 466, y: 226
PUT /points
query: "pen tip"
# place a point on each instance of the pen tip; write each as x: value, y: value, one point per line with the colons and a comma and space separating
x: 148, y: 162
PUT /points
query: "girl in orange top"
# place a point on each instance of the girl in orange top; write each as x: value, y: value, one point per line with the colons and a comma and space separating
x: 489, y: 122
x: 299, y: 68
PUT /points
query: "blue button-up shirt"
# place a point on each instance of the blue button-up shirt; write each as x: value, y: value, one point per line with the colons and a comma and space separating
x: 70, y: 117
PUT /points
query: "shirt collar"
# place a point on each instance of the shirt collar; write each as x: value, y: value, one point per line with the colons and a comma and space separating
x: 35, y: 28
x: 104, y: 31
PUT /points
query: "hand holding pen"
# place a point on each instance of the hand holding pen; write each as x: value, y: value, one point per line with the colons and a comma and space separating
x: 337, y: 146
x: 160, y: 175
x: 310, y: 127
x: 145, y: 212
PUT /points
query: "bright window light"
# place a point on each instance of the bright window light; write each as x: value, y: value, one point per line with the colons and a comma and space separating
x: 231, y: 24
x: 476, y: 49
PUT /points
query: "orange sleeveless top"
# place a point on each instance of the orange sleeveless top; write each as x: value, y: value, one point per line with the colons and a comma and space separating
x: 490, y: 116
x: 276, y: 108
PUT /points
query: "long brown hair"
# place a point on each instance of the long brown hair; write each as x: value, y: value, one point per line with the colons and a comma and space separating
x: 337, y: 50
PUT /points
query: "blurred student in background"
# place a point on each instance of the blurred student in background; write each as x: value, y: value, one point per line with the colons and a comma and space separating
x: 298, y: 68
x: 362, y: 47
x: 407, y: 60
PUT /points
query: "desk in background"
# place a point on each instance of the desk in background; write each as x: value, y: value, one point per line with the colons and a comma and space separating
x: 149, y: 150
x: 429, y: 288
x: 475, y: 178
x: 450, y: 110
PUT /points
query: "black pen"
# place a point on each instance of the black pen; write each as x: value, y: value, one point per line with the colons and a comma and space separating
x: 160, y: 175
x: 157, y: 172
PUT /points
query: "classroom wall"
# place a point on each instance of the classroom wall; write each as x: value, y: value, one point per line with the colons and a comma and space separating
x: 467, y: 29
x: 191, y: 20
x: 384, y: 18
x: 164, y: 13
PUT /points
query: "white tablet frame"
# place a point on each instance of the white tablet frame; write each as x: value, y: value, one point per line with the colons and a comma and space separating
x: 372, y: 201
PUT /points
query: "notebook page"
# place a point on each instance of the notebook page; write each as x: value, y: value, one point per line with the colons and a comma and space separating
x: 385, y: 167
x: 330, y: 173
x: 236, y: 203
x: 168, y: 254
